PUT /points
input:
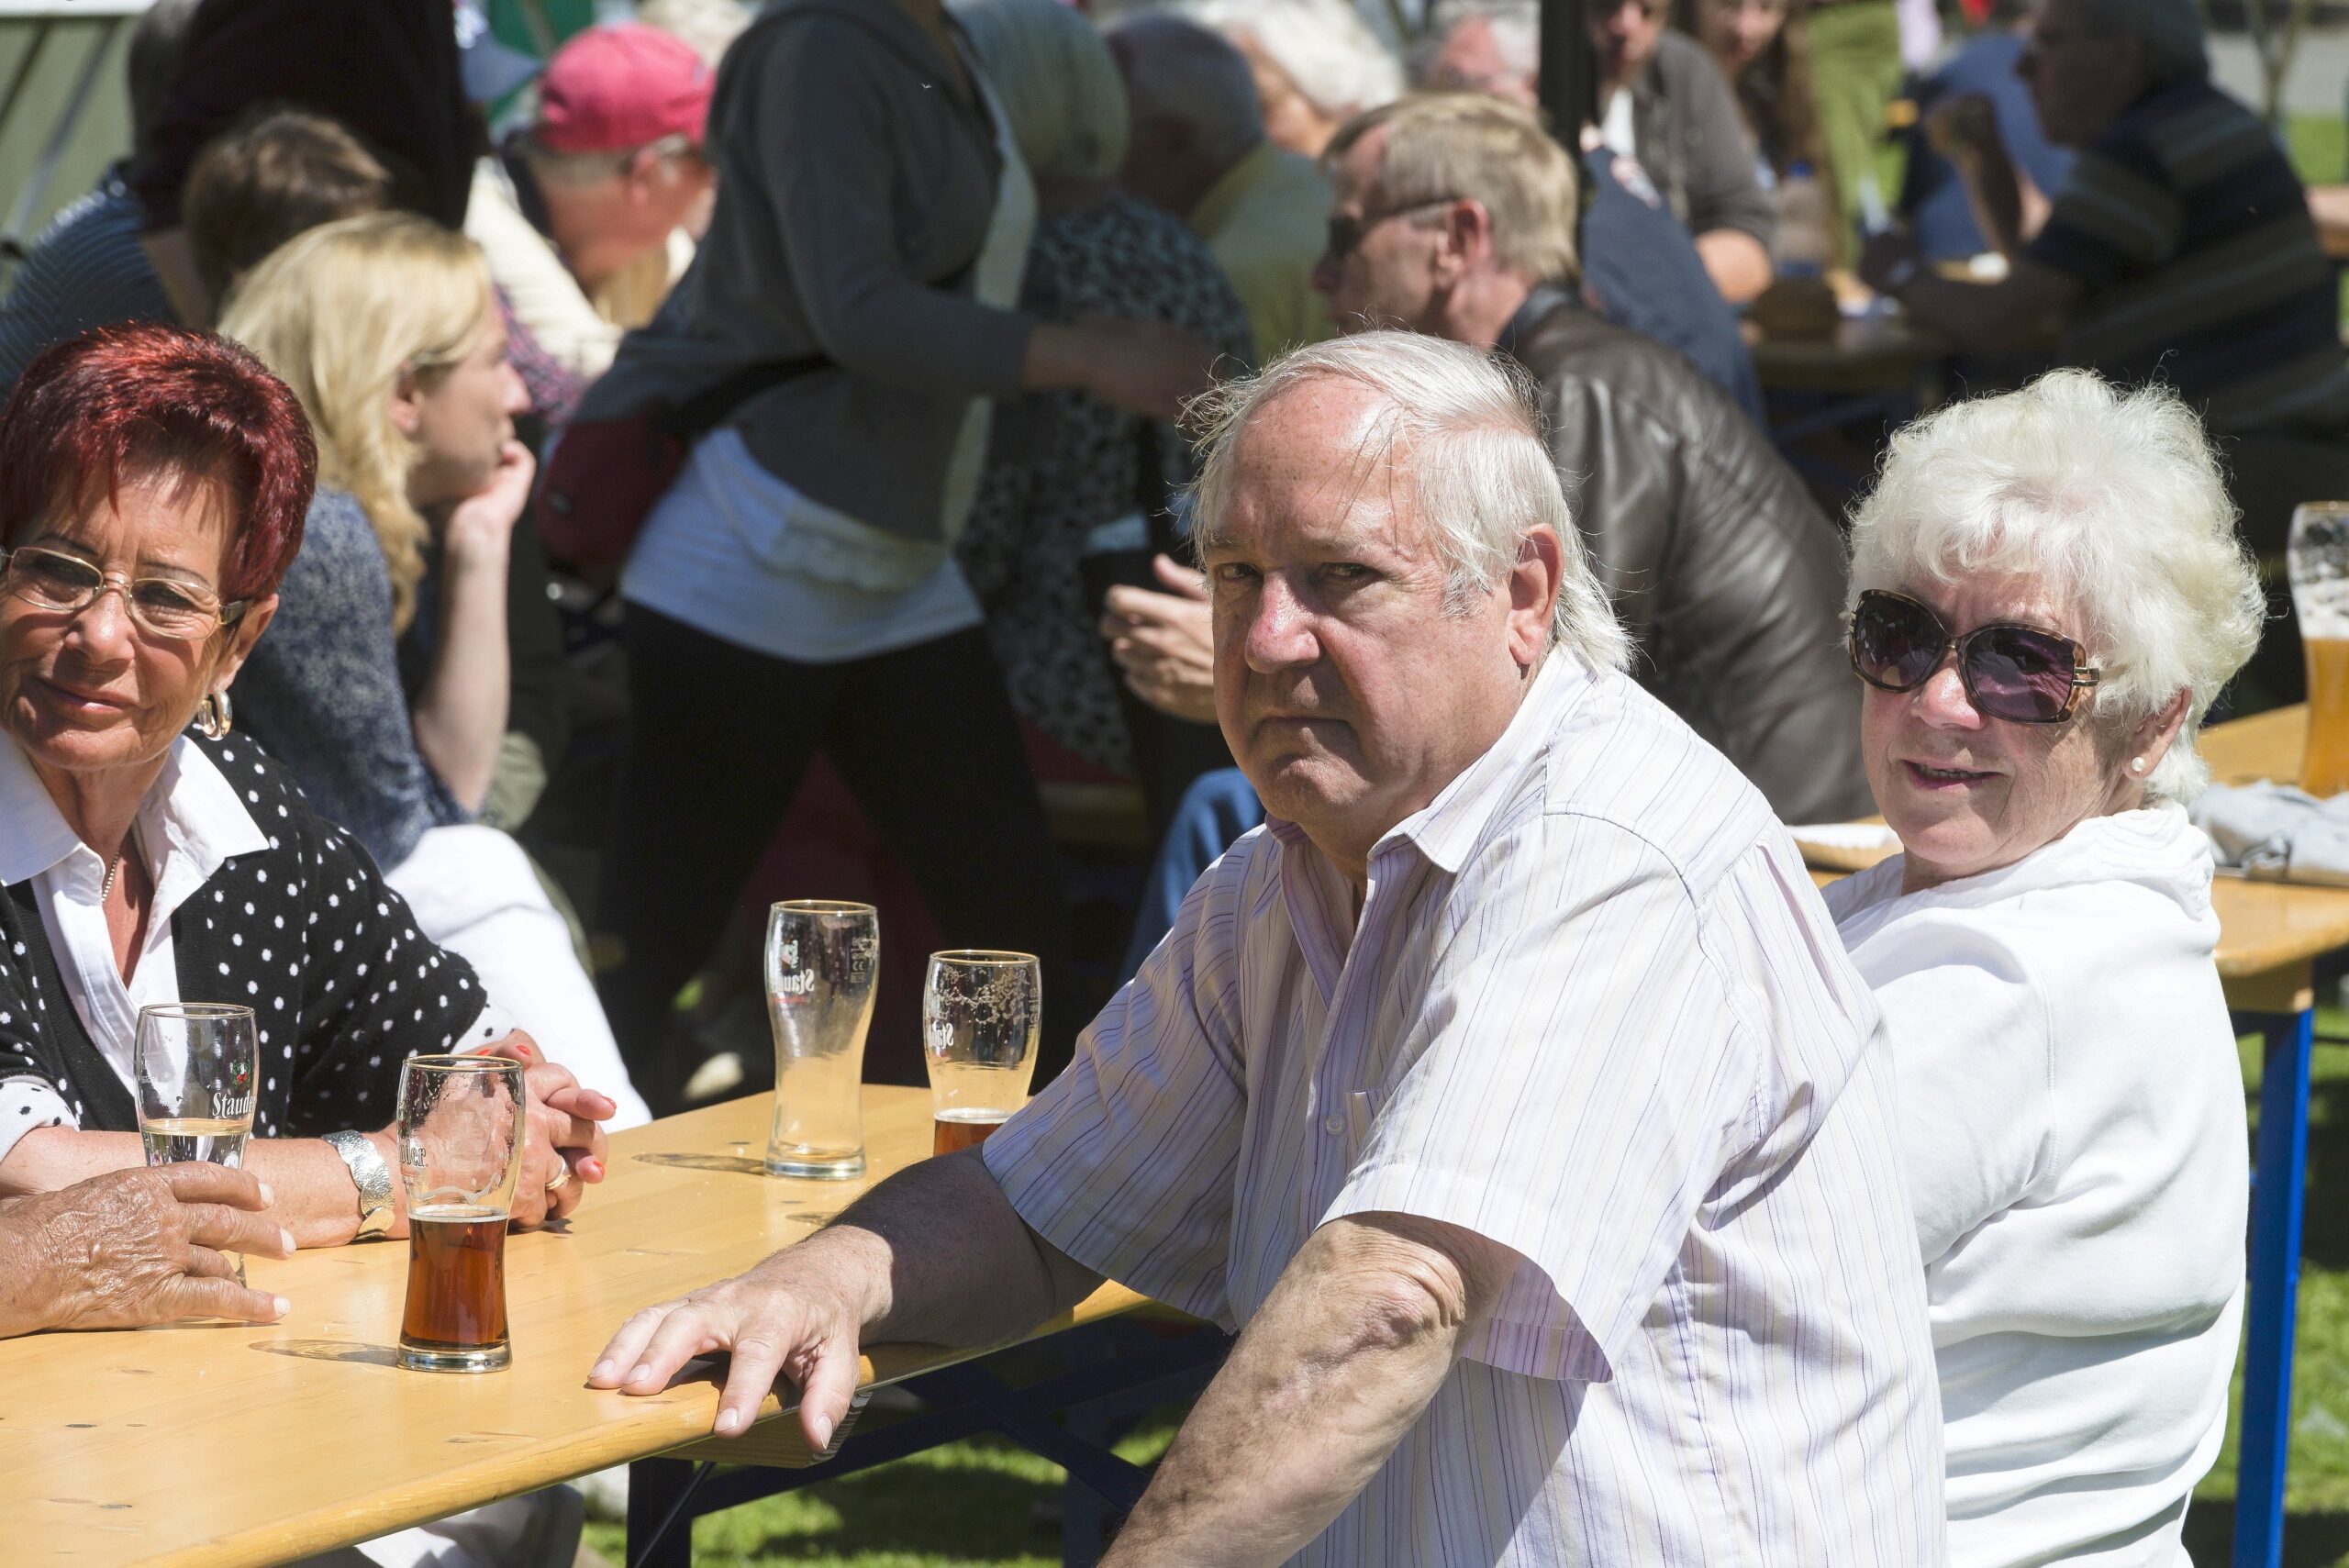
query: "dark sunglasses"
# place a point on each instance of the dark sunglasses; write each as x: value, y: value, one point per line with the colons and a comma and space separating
x: 2015, y: 673
x: 1347, y: 233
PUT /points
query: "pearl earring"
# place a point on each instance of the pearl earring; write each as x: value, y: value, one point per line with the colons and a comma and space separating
x: 2137, y: 765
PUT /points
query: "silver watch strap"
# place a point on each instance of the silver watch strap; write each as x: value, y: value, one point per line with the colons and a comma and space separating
x: 370, y: 1176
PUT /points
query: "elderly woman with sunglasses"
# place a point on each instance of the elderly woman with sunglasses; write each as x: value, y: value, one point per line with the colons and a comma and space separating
x: 2046, y: 595
x: 152, y: 487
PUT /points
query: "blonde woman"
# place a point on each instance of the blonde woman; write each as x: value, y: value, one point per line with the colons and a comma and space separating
x: 387, y: 331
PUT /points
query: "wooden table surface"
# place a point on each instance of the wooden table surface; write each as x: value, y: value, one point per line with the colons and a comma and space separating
x: 233, y: 1445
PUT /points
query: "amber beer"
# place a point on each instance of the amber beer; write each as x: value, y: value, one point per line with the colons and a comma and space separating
x: 456, y: 1290
x: 2324, y: 768
x: 963, y: 1128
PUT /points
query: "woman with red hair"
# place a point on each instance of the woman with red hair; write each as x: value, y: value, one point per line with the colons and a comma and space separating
x: 152, y: 487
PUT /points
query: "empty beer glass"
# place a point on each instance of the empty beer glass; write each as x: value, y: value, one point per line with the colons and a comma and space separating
x: 820, y: 961
x: 461, y: 1126
x: 980, y: 1014
x: 198, y: 1065
x: 2317, y: 556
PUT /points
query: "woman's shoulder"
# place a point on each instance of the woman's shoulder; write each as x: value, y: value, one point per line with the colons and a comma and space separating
x: 273, y: 797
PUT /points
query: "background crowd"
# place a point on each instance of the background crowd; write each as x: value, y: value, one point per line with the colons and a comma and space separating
x: 746, y: 453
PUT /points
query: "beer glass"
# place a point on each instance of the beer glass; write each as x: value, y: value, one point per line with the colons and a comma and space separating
x: 820, y: 961
x: 980, y: 1014
x: 462, y: 1123
x: 2317, y: 556
x: 196, y: 1064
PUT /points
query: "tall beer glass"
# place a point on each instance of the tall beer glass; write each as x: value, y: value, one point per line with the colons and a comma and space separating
x: 198, y: 1065
x: 462, y: 1124
x: 2317, y: 556
x: 980, y: 1014
x: 820, y: 962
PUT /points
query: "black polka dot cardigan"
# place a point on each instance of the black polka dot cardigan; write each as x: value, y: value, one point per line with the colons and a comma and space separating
x: 305, y: 933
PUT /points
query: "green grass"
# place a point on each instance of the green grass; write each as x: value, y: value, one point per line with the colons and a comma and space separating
x: 2320, y: 148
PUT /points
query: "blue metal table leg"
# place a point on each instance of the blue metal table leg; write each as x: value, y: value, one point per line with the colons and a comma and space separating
x: 2279, y: 1186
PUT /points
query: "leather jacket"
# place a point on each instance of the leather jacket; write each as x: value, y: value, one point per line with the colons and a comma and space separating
x: 1727, y: 576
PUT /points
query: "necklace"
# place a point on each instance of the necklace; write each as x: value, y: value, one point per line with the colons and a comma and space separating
x: 106, y: 888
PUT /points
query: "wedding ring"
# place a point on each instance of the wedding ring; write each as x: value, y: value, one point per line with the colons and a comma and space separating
x: 561, y: 1178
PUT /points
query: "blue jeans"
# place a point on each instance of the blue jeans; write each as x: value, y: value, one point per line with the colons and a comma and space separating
x: 1216, y: 809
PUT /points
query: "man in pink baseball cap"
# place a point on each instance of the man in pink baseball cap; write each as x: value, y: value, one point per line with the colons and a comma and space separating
x: 588, y: 215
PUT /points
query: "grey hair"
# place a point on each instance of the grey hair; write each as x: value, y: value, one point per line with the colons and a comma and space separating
x: 2114, y: 500
x: 1060, y: 88
x: 1178, y: 71
x: 1464, y: 425
x: 1516, y: 32
x: 2169, y: 31
x: 587, y: 168
x: 1322, y: 46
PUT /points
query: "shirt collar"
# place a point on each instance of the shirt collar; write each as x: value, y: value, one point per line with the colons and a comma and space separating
x: 1216, y: 208
x: 1446, y: 829
x: 191, y: 823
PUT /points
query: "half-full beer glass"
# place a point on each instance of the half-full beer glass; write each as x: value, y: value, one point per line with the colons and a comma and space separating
x: 822, y: 958
x: 462, y: 1124
x: 2317, y: 556
x: 980, y: 1014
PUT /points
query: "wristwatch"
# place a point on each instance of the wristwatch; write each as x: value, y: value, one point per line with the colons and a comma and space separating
x: 370, y: 1176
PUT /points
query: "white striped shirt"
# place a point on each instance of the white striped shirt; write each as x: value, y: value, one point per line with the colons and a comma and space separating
x: 1594, y: 1011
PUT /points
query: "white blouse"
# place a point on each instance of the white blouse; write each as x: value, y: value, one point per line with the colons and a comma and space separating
x: 2073, y: 1116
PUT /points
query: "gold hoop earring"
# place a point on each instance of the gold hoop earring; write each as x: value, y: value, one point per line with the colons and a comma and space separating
x: 214, y: 716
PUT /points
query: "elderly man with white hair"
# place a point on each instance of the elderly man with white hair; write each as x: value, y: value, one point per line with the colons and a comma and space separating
x: 2046, y: 595
x: 2180, y: 246
x: 1508, y: 1089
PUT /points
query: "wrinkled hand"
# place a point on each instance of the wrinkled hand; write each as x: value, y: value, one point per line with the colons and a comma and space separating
x: 485, y: 518
x: 1149, y: 368
x: 137, y: 1247
x: 773, y: 1320
x: 565, y: 1134
x: 1164, y: 642
x: 1881, y: 261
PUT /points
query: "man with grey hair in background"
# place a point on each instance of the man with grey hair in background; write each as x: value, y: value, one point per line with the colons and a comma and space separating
x: 1507, y: 1090
x: 1197, y: 148
x: 2179, y: 247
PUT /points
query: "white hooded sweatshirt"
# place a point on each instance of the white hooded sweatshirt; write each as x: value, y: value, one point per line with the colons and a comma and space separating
x: 2073, y: 1112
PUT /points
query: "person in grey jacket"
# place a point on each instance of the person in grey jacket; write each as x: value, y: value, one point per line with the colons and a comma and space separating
x: 795, y: 590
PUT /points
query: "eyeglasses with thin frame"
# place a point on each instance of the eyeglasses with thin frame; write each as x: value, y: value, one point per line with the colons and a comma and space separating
x: 162, y: 607
x: 2019, y: 674
x: 1347, y: 232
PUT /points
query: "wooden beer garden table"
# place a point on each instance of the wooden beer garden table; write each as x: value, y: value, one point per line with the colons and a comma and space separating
x: 221, y: 1446
x: 2273, y: 936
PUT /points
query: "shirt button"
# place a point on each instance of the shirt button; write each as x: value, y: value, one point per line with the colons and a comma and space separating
x: 1334, y: 1124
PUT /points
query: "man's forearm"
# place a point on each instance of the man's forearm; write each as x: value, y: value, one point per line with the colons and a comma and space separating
x: 1344, y: 1356
x: 947, y: 1258
x: 315, y: 1199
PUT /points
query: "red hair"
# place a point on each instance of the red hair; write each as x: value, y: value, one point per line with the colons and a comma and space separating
x: 148, y: 403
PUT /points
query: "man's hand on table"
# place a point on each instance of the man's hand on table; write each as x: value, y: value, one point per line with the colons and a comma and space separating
x: 1163, y: 641
x: 782, y: 1318
x: 135, y: 1247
